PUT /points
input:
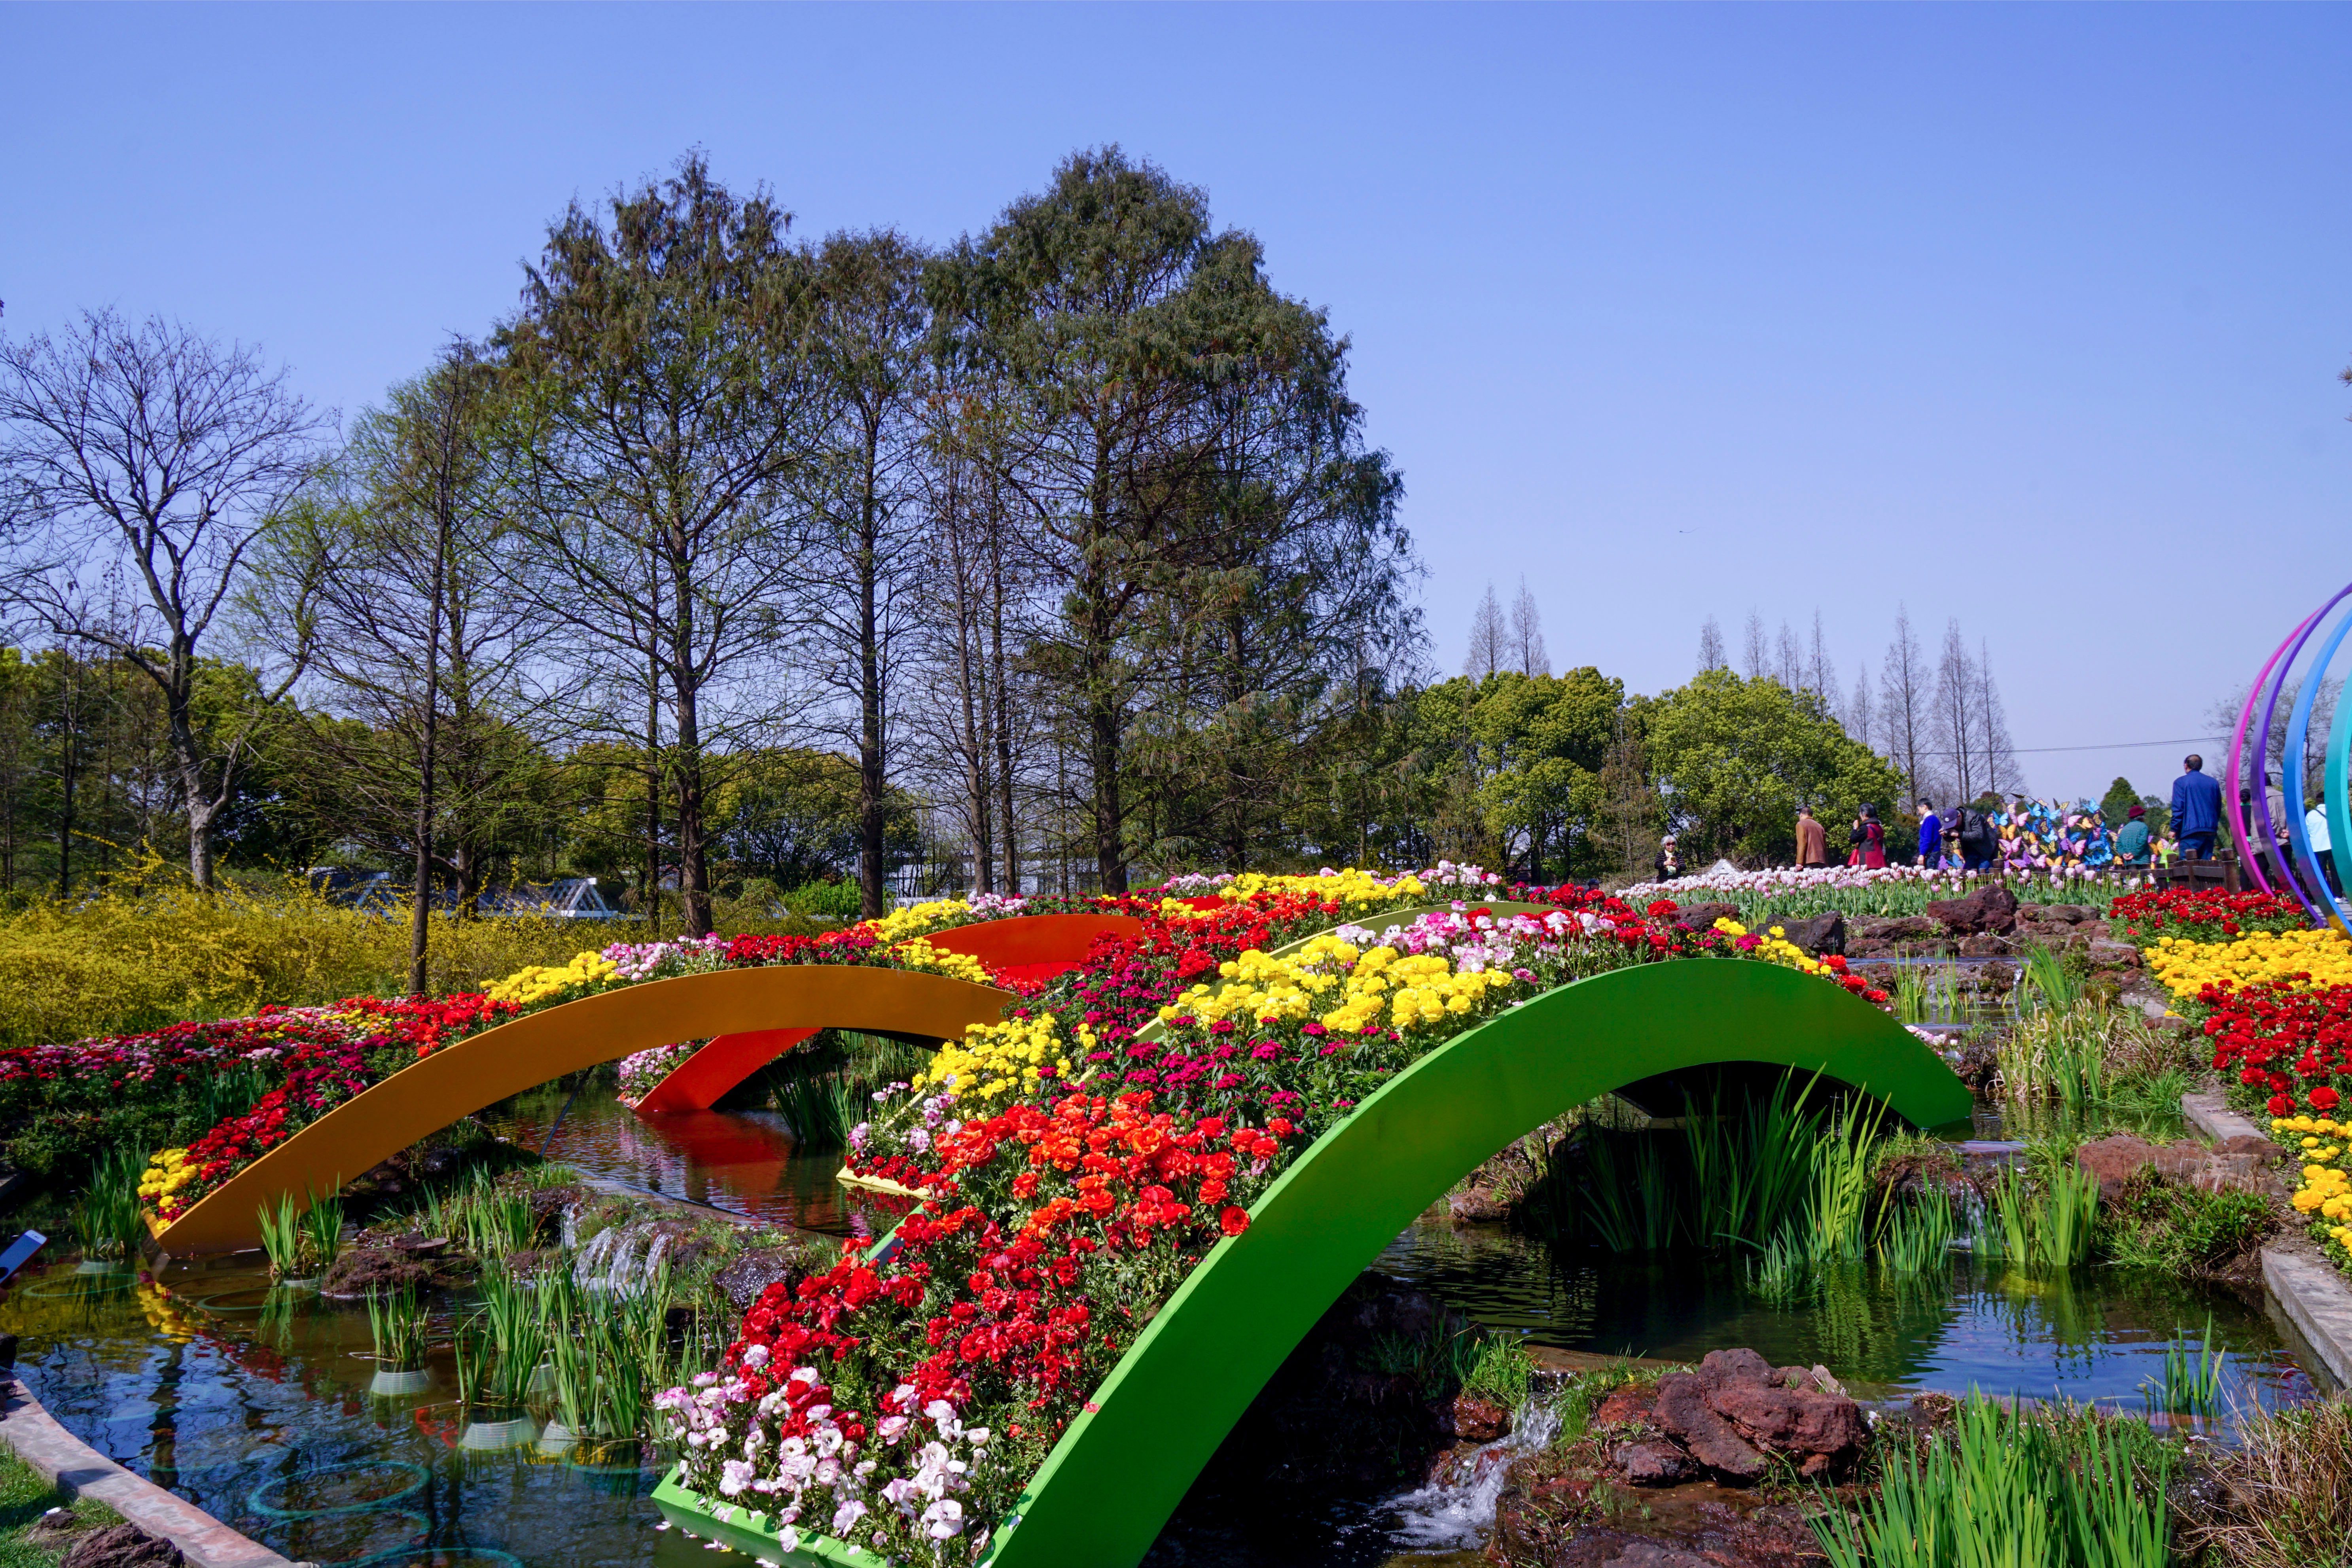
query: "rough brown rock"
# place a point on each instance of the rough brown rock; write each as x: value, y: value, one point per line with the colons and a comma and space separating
x: 744, y: 1276
x: 1630, y: 1405
x: 123, y: 1546
x: 375, y: 1271
x: 2073, y: 914
x: 1702, y: 917
x: 1819, y: 935
x: 1476, y: 1421
x: 1991, y: 908
x: 2114, y: 1162
x: 2105, y: 955
x: 1898, y: 928
x: 1476, y: 1205
x: 1653, y: 1464
x: 1684, y: 1410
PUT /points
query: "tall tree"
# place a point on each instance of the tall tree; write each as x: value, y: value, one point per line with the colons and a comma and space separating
x: 140, y: 463
x: 1490, y: 639
x: 1158, y: 403
x: 863, y: 497
x: 1861, y: 717
x: 1754, y: 661
x: 1906, y: 704
x: 1710, y: 646
x: 1528, y: 655
x: 1958, y: 729
x: 671, y: 394
x: 402, y: 564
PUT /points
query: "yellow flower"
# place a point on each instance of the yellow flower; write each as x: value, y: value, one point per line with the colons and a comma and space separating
x: 917, y: 954
x: 586, y: 971
x: 2313, y: 957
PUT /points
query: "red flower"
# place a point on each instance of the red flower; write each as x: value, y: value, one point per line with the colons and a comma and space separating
x: 2324, y: 1098
x: 1234, y: 1221
x: 2281, y: 1105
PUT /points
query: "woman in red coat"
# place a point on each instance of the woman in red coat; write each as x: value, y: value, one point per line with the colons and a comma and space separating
x: 1868, y: 838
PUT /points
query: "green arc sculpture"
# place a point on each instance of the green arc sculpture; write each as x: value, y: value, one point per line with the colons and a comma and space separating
x: 1121, y: 1467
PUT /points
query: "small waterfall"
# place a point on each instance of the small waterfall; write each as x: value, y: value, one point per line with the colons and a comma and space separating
x: 1455, y: 1510
x: 621, y: 1259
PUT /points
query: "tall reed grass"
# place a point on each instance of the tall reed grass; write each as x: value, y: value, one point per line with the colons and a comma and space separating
x: 2045, y: 1489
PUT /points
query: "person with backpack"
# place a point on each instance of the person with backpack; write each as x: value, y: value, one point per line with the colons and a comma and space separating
x: 1980, y: 840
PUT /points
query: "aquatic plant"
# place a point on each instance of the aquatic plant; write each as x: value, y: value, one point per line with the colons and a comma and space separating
x: 2003, y: 1491
x: 2044, y: 1222
x: 106, y: 1222
x: 1917, y: 1237
x: 396, y: 1329
x: 2189, y: 1382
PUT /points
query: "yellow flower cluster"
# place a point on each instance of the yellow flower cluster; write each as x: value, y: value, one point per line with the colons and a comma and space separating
x: 1351, y: 887
x: 167, y: 1173
x: 995, y: 1059
x: 918, y: 953
x: 916, y: 918
x: 541, y: 981
x: 2188, y: 967
x: 1356, y: 983
x: 1775, y: 946
x: 2326, y: 1189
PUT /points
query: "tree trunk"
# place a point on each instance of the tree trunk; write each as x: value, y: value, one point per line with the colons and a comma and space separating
x: 420, y: 913
x: 180, y: 721
x: 1000, y: 689
x: 870, y: 780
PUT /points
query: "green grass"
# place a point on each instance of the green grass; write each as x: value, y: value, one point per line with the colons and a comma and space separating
x: 2056, y: 1490
x: 25, y: 1496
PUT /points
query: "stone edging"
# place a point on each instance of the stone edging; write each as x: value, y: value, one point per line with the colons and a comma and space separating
x: 2316, y: 1297
x: 74, y: 1467
x: 2211, y: 1115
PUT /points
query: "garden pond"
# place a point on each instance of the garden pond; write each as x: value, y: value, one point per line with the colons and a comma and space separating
x: 253, y: 1401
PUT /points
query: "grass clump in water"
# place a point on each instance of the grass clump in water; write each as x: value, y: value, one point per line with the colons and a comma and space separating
x: 2059, y: 1489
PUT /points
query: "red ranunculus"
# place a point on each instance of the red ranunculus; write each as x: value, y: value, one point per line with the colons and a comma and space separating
x: 1234, y: 1221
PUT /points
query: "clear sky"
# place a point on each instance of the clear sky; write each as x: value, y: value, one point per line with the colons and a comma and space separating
x: 2027, y: 315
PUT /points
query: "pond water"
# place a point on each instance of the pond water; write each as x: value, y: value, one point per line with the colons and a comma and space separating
x: 253, y: 1402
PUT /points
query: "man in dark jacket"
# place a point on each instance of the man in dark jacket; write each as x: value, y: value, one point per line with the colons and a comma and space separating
x: 2196, y: 809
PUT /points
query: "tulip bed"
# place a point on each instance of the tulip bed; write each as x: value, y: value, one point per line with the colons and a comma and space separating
x: 1075, y: 1163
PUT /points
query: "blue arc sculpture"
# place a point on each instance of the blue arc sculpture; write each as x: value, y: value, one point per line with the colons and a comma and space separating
x: 2298, y: 871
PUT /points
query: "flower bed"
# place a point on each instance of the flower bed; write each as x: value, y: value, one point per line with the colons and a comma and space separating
x: 1077, y: 1162
x: 2201, y: 914
x: 382, y: 1036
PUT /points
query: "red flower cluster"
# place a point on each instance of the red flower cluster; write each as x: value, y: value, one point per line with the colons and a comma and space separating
x: 2202, y: 915
x: 1088, y: 1186
x: 318, y: 1078
x: 2292, y: 1043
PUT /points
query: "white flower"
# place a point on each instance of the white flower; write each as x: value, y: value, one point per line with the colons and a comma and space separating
x: 755, y: 1355
x: 943, y: 1519
x: 892, y: 1428
x: 847, y: 1515
x: 789, y: 1539
x: 733, y: 1476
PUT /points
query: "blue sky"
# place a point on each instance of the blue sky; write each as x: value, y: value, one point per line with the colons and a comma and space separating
x: 2029, y: 316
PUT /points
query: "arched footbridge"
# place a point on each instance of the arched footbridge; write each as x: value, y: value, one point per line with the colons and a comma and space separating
x: 1121, y: 1467
x: 479, y: 1071
x: 1023, y: 948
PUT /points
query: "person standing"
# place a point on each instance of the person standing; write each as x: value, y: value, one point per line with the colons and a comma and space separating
x: 1868, y: 840
x: 1931, y: 835
x: 2196, y: 810
x: 2131, y: 844
x: 2314, y: 827
x: 1980, y: 839
x: 1670, y: 860
x: 1813, y: 839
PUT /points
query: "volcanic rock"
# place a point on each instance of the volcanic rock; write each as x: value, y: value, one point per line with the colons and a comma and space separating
x: 123, y: 1546
x: 1819, y: 935
x: 1476, y: 1421
x: 1991, y: 908
x: 1476, y: 1205
x: 1898, y: 928
x: 2073, y: 914
x: 375, y: 1271
x: 744, y: 1276
x: 1653, y: 1464
x: 1684, y: 1409
x: 2107, y: 954
x: 2235, y: 1165
x: 1702, y: 917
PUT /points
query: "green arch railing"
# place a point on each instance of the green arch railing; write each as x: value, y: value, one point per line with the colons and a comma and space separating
x: 1121, y: 1466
